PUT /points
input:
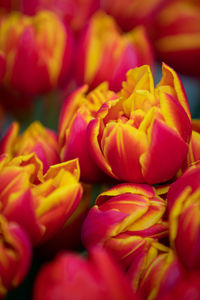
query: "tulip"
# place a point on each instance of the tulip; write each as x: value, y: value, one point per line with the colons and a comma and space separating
x: 37, y: 51
x: 79, y: 108
x: 184, y: 212
x: 143, y: 136
x: 106, y: 54
x: 122, y: 217
x: 70, y: 276
x: 194, y: 146
x: 130, y: 13
x: 143, y: 256
x: 15, y: 256
x: 69, y: 235
x: 187, y: 288
x: 161, y: 276
x: 35, y: 139
x: 41, y: 204
x: 177, y: 38
x: 74, y: 12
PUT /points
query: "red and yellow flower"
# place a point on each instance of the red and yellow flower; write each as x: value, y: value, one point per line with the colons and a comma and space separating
x: 184, y: 212
x: 37, y: 51
x: 74, y: 12
x: 15, y: 256
x: 70, y: 276
x: 177, y: 36
x: 35, y: 139
x: 161, y: 276
x: 79, y: 108
x: 143, y: 135
x: 41, y: 204
x: 122, y: 218
x: 130, y: 13
x: 104, y: 53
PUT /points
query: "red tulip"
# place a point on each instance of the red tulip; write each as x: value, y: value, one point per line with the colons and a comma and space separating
x: 37, y: 51
x: 79, y: 108
x: 104, y: 53
x: 122, y: 218
x: 131, y: 137
x: 35, y: 139
x: 184, y: 213
x: 72, y: 277
x: 15, y: 256
x: 177, y: 36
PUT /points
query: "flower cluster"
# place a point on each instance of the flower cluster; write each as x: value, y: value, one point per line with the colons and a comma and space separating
x: 104, y: 182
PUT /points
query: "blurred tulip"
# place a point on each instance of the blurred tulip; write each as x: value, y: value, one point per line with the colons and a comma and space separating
x: 15, y: 256
x: 148, y: 249
x: 177, y: 36
x: 36, y: 138
x: 69, y: 236
x: 184, y: 214
x: 37, y: 51
x: 161, y: 276
x: 79, y: 108
x: 122, y: 217
x: 106, y: 54
x: 194, y: 146
x: 74, y: 12
x: 143, y: 136
x: 41, y: 204
x: 71, y: 277
x: 187, y: 288
x: 130, y: 13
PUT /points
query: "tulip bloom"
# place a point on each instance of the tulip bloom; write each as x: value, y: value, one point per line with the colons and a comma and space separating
x: 74, y: 12
x: 106, y: 54
x: 130, y: 13
x: 36, y: 138
x: 70, y: 276
x: 41, y: 204
x: 15, y: 256
x: 148, y: 249
x: 177, y: 38
x: 187, y: 288
x: 194, y: 146
x: 161, y: 276
x: 143, y: 136
x: 79, y: 108
x: 184, y: 213
x: 122, y: 217
x: 37, y: 51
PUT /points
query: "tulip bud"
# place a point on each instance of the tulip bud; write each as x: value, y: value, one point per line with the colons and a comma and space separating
x: 79, y: 108
x: 130, y: 13
x: 35, y: 139
x: 15, y: 256
x: 177, y: 36
x: 73, y: 12
x: 70, y: 276
x: 184, y: 212
x: 106, y: 54
x: 147, y: 251
x: 131, y: 137
x: 161, y: 276
x: 41, y: 204
x: 122, y: 217
x: 194, y: 146
x: 37, y: 51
